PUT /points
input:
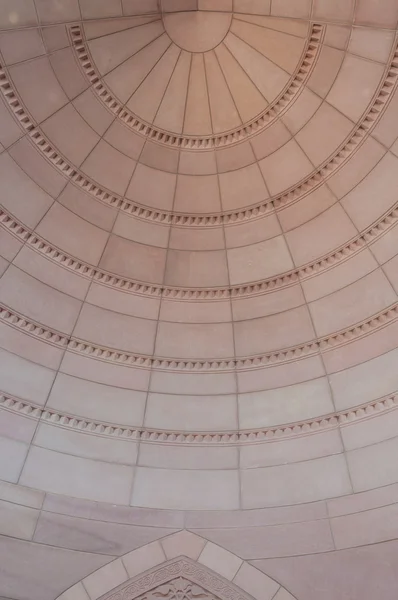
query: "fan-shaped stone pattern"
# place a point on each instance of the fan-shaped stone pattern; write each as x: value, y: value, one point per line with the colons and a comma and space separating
x: 197, y: 31
x: 284, y: 100
x: 359, y: 134
x: 219, y: 316
x: 198, y: 90
x: 198, y: 315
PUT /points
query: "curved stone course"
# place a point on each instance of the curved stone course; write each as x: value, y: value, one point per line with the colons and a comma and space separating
x: 362, y: 241
x: 291, y: 196
x: 85, y: 347
x: 198, y: 299
x: 274, y: 111
x: 252, y: 436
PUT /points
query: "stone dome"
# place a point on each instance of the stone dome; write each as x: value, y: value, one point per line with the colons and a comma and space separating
x: 199, y: 299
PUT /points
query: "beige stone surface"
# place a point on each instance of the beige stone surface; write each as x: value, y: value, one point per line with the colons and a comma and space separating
x: 183, y: 542
x: 291, y: 451
x: 96, y: 400
x: 19, y: 495
x: 181, y: 489
x: 36, y: 166
x: 380, y: 471
x: 220, y: 560
x: 25, y: 378
x: 39, y: 87
x: 17, y: 521
x: 283, y: 539
x: 94, y: 535
x: 285, y: 404
x: 38, y: 301
x: 86, y: 446
x: 255, y: 583
x: 188, y: 412
x: 17, y: 427
x: 39, y: 560
x: 363, y: 571
x: 76, y: 592
x: 198, y: 296
x: 66, y: 474
x: 144, y: 558
x: 105, y: 579
x: 324, y: 478
x: 15, y: 186
x: 355, y: 385
x: 16, y: 451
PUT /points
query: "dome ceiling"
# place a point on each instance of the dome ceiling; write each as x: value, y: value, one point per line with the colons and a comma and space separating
x: 211, y: 76
x: 199, y: 247
x: 198, y: 73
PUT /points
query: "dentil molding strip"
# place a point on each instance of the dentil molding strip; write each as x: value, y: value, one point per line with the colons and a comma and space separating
x: 259, y: 361
x: 325, y: 263
x: 250, y: 436
x: 280, y: 105
x: 320, y: 175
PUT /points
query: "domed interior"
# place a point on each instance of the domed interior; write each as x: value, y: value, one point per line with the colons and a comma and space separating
x: 199, y: 291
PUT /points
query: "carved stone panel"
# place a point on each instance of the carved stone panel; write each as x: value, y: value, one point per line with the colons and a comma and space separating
x: 180, y: 579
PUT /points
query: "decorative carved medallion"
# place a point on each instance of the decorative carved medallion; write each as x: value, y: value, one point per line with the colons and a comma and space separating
x: 177, y: 589
x: 180, y: 579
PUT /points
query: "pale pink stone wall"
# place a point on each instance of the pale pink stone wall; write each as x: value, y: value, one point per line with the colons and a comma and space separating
x: 199, y: 289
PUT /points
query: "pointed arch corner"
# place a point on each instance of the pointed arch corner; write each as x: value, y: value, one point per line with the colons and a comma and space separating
x: 181, y: 566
